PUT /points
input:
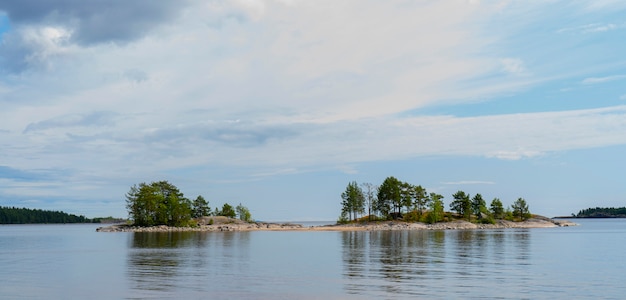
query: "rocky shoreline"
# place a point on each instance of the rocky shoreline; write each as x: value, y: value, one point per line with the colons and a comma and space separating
x: 220, y: 224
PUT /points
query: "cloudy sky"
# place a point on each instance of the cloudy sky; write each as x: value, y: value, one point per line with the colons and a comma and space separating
x: 278, y: 104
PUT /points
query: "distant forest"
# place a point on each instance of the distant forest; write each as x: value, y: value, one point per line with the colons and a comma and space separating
x: 602, y: 212
x: 13, y: 215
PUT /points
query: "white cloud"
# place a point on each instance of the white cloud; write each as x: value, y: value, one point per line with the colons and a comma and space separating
x: 597, y: 80
x: 593, y: 28
x: 314, y: 84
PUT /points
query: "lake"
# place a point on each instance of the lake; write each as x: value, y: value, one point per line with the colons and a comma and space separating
x: 75, y: 262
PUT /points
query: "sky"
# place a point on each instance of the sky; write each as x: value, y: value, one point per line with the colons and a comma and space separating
x: 279, y: 104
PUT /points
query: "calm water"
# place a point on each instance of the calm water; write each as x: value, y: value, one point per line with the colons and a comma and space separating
x: 75, y: 262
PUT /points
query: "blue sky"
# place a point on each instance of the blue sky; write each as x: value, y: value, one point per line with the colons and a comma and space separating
x: 279, y: 104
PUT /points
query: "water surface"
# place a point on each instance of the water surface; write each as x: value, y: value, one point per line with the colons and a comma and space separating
x: 74, y: 261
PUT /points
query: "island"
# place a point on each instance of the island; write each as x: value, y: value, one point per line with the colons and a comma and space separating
x: 394, y: 205
x: 601, y: 212
x: 220, y: 223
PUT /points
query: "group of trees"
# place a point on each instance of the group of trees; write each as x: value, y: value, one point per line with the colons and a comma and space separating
x: 477, y: 207
x: 162, y: 203
x: 13, y: 215
x: 395, y: 199
x: 602, y: 212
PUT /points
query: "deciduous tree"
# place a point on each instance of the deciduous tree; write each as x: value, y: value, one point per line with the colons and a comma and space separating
x: 436, y: 208
x: 243, y: 213
x: 157, y: 203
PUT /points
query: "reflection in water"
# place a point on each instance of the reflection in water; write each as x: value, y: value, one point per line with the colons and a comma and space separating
x: 421, y: 263
x: 167, y: 262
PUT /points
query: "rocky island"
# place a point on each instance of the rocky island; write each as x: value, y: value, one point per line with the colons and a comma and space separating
x: 219, y: 223
x: 161, y: 207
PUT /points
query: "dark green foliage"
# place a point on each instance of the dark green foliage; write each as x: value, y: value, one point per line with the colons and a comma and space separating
x: 406, y: 195
x: 13, y: 215
x: 520, y: 209
x: 353, y: 201
x: 390, y: 197
x: 411, y: 216
x: 602, y: 212
x: 462, y: 204
x: 158, y: 203
x: 400, y: 200
x: 487, y: 220
x: 200, y: 207
x: 479, y: 207
x: 227, y: 211
x: 420, y: 198
x: 497, y: 209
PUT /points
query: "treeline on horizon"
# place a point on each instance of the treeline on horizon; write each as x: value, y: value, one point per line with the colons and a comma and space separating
x: 395, y: 199
x: 14, y: 215
x: 602, y: 212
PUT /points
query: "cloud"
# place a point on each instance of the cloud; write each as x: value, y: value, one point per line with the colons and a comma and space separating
x: 33, y: 47
x: 514, y: 154
x: 229, y: 134
x: 93, y: 119
x: 41, y: 31
x: 593, y: 28
x: 95, y: 22
x: 597, y: 80
x: 239, y: 90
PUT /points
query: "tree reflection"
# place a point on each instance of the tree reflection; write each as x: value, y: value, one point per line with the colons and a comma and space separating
x: 413, y: 262
x: 153, y: 258
x: 161, y: 263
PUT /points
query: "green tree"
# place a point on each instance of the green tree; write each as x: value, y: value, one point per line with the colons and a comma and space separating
x: 243, y: 213
x: 462, y: 204
x: 497, y: 209
x: 436, y: 208
x: 353, y: 201
x: 200, y: 207
x: 478, y: 206
x: 406, y: 194
x: 157, y: 203
x: 520, y: 209
x: 389, y: 197
x: 420, y: 199
x: 227, y: 211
